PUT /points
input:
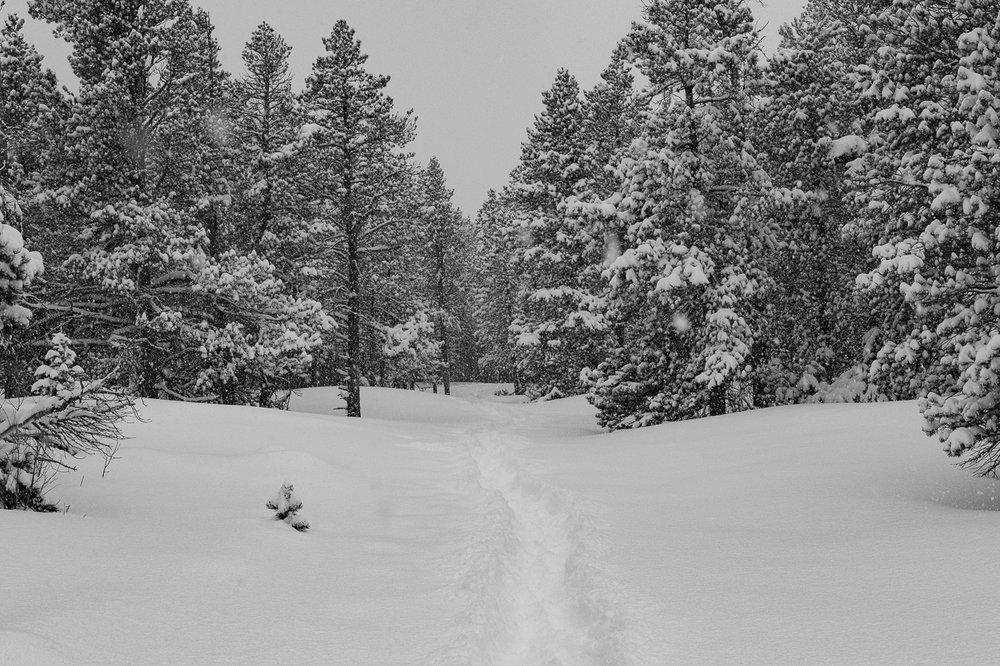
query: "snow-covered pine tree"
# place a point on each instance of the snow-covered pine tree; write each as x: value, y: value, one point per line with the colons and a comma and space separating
x: 804, y: 129
x: 18, y: 268
x: 413, y: 351
x: 69, y: 415
x: 555, y: 334
x: 443, y: 240
x: 29, y: 109
x: 59, y: 374
x: 612, y: 120
x: 286, y: 504
x: 856, y: 18
x: 358, y: 168
x: 142, y: 186
x: 496, y: 287
x: 129, y: 60
x: 929, y: 184
x: 689, y: 274
x: 263, y: 117
x: 195, y: 162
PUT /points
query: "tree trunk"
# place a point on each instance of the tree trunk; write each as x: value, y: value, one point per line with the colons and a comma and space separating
x: 446, y: 371
x: 717, y: 401
x: 353, y: 325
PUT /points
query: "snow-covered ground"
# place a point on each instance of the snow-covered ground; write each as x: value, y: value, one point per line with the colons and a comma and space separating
x: 476, y: 530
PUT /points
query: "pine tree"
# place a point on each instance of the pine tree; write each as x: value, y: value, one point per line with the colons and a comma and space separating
x: 443, y: 239
x: 18, y: 268
x: 612, y: 120
x: 143, y: 190
x: 496, y: 287
x: 70, y: 416
x: 928, y: 202
x: 263, y: 117
x: 286, y: 505
x: 805, y: 129
x: 688, y: 278
x: 59, y: 375
x: 553, y: 330
x: 359, y: 167
x: 29, y: 110
x: 413, y: 351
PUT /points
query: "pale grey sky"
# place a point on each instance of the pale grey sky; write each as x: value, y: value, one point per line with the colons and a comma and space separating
x: 473, y: 70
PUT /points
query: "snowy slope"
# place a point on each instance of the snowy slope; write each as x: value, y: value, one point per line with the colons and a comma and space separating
x: 474, y: 530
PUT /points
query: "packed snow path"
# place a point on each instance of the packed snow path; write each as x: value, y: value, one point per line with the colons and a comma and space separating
x: 543, y: 604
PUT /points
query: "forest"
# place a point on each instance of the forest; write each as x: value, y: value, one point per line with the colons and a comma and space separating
x: 709, y: 229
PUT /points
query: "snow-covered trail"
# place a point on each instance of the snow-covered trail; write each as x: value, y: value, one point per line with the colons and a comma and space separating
x: 547, y: 605
x: 529, y: 582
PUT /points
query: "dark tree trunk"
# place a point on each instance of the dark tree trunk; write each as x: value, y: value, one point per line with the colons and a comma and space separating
x: 717, y: 401
x: 446, y: 372
x: 353, y: 326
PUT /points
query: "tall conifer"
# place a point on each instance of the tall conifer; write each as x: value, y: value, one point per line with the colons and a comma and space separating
x: 360, y: 169
x: 688, y: 278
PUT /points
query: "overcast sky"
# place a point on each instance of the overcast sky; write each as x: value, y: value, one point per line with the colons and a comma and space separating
x: 473, y: 70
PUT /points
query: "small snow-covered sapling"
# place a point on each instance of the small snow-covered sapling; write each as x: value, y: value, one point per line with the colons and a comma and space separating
x: 286, y: 505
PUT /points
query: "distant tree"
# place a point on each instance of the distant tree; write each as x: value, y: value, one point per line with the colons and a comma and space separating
x: 358, y: 168
x: 443, y: 238
x: 496, y: 287
x: 413, y: 351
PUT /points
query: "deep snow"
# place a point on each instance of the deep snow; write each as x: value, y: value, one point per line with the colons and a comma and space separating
x: 476, y: 530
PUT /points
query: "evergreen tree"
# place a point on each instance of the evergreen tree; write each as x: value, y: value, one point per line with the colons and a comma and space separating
x: 554, y: 329
x: 413, y: 351
x: 263, y: 117
x: 143, y: 191
x: 688, y: 279
x: 612, y: 120
x: 443, y: 239
x: 30, y: 105
x: 18, y: 268
x: 30, y: 109
x: 805, y: 129
x: 360, y: 168
x: 928, y: 207
x: 496, y: 287
x: 70, y: 416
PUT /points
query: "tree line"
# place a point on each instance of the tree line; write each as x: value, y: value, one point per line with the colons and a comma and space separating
x: 222, y: 238
x: 710, y: 230
x: 706, y: 230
